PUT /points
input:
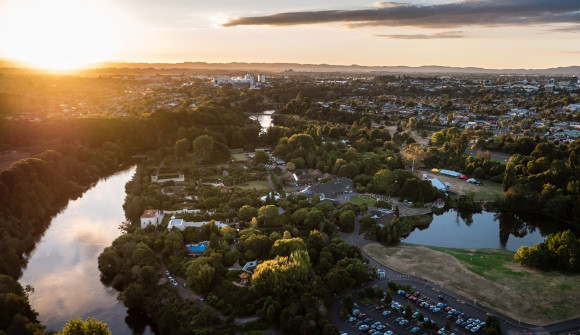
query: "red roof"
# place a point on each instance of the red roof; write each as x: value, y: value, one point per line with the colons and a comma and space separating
x: 149, y: 214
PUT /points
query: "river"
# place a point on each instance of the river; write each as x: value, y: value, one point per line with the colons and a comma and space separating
x: 265, y: 120
x: 63, y: 266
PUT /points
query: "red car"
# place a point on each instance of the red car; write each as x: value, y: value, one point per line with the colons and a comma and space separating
x: 463, y: 177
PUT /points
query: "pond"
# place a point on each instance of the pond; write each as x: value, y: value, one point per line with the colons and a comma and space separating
x: 265, y: 120
x: 63, y: 267
x: 501, y: 230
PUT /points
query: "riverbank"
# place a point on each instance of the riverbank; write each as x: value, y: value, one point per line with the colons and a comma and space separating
x: 490, y: 277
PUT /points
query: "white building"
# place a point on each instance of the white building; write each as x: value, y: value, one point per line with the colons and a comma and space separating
x: 182, y: 224
x: 151, y: 217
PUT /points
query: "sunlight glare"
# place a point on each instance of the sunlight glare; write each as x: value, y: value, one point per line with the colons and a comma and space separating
x: 58, y: 34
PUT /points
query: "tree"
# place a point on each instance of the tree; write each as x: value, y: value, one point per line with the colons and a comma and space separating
x: 346, y: 220
x: 181, y: 147
x: 348, y: 302
x: 203, y: 145
x: 409, y: 310
x: 228, y: 233
x: 415, y: 153
x: 268, y: 215
x: 389, y: 297
x: 438, y: 138
x: 90, y: 326
x: 247, y: 212
x: 280, y: 276
x: 261, y: 157
x: 200, y: 275
x: 447, y: 326
x: 285, y: 246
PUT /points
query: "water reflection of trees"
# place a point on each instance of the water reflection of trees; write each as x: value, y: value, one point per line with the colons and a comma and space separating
x: 519, y: 225
x: 466, y: 216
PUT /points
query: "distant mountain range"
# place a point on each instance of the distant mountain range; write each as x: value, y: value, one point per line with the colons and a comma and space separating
x: 295, y: 67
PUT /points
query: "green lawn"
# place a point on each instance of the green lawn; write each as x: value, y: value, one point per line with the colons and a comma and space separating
x: 363, y: 199
x: 239, y: 157
x: 236, y: 151
x: 489, y: 191
x: 498, y: 161
x: 255, y: 184
x: 488, y: 263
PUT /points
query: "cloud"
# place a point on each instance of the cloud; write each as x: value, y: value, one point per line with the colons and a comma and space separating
x: 444, y: 15
x: 568, y: 29
x: 445, y: 34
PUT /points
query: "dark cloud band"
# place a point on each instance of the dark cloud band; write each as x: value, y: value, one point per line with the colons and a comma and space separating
x: 457, y: 14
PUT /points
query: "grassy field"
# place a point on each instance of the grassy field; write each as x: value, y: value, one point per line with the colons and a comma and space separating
x: 363, y: 199
x: 239, y: 157
x: 491, y: 277
x: 255, y: 184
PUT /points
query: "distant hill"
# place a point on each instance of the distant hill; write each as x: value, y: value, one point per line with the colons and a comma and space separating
x: 295, y: 67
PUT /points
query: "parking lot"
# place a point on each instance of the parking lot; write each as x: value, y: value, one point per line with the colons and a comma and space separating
x: 379, y: 318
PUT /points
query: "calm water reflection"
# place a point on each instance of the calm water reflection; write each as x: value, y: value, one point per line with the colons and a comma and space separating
x: 63, y: 267
x: 265, y: 120
x: 481, y: 230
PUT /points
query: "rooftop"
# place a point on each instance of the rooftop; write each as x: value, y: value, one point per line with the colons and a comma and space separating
x: 149, y: 213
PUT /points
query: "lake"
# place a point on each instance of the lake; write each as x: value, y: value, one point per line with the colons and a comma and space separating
x: 502, y: 230
x: 63, y: 267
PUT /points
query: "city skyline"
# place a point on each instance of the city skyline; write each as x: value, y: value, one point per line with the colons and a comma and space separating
x: 494, y: 34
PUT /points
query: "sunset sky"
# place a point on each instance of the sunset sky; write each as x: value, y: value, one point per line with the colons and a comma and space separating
x: 483, y: 33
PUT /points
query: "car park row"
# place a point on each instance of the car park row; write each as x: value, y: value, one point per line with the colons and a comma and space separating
x: 427, y: 317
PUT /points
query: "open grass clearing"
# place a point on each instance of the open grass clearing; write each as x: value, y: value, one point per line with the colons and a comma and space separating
x: 255, y: 184
x: 363, y: 199
x: 491, y: 277
x: 239, y: 157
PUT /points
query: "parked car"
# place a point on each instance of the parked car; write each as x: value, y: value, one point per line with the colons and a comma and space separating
x: 363, y: 328
x: 415, y: 329
x: 415, y: 315
x: 381, y: 327
x: 368, y: 320
x: 351, y: 319
x: 441, y: 297
x: 379, y: 307
x: 386, y: 312
x: 389, y: 332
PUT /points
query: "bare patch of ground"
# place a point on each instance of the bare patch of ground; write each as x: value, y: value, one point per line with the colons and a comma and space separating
x: 528, y: 295
x: 487, y: 192
x: 11, y: 156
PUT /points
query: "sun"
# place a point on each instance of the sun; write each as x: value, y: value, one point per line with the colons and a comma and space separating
x: 57, y: 34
